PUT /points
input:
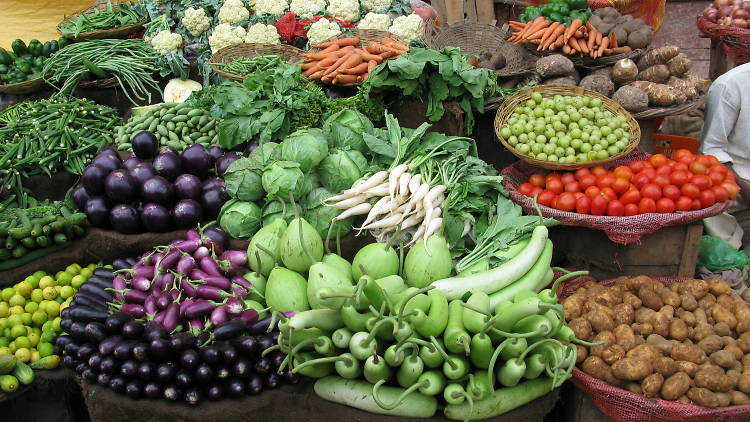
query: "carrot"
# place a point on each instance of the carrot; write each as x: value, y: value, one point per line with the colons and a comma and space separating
x: 599, y: 37
x: 538, y: 34
x: 574, y: 47
x: 566, y: 49
x: 552, y: 39
x: 557, y: 44
x: 317, y: 56
x: 369, y: 56
x: 583, y: 46
x: 341, y: 42
x: 338, y: 64
x: 320, y: 65
x: 371, y: 65
x: 531, y: 27
x: 308, y: 64
x: 549, y: 32
x: 592, y: 37
x: 345, y: 79
x: 580, y: 32
x: 326, y: 79
x: 602, y: 47
x: 394, y: 44
x: 516, y: 24
x: 387, y: 55
x: 356, y: 70
x: 613, y: 39
x: 618, y: 50
x: 378, y: 48
x: 352, y: 61
x: 316, y: 75
x: 573, y: 28
x: 342, y: 51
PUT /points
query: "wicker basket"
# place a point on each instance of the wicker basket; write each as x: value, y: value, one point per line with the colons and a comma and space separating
x: 475, y: 39
x: 100, y: 83
x: 588, y: 62
x: 547, y: 91
x: 250, y: 50
x: 23, y: 88
x: 654, y: 112
x: 119, y: 32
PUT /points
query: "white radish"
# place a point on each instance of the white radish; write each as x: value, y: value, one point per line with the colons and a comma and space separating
x: 439, y: 200
x: 434, y: 193
x: 370, y: 183
x: 336, y: 198
x: 393, y: 178
x: 379, y: 190
x: 403, y: 185
x: 431, y: 229
x: 360, y: 209
x: 386, y: 222
x: 417, y: 196
x: 412, y: 221
x: 348, y: 203
x: 416, y: 236
x: 415, y: 183
x: 379, y: 208
x: 467, y: 227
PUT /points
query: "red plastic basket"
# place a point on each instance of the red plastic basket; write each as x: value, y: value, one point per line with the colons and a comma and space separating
x: 668, y: 144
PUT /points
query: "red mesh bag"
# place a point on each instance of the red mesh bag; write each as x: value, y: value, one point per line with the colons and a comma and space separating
x: 735, y: 41
x: 622, y: 230
x: 623, y: 406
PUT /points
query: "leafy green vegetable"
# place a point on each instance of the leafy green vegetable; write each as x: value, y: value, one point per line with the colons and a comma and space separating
x: 346, y: 128
x: 308, y: 147
x: 243, y: 181
x: 274, y: 210
x: 264, y: 155
x: 341, y: 169
x: 284, y: 178
x: 240, y: 219
x: 320, y: 217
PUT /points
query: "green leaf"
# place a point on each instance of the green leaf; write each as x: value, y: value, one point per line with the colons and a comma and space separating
x: 379, y: 146
x: 234, y: 130
x: 407, y: 68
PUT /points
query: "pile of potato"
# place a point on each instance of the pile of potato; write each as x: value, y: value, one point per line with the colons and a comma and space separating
x: 688, y: 342
x: 634, y: 33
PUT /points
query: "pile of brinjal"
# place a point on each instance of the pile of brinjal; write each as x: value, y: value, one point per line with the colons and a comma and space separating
x: 174, y: 324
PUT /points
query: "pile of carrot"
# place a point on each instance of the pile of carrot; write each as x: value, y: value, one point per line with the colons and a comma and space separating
x: 342, y: 62
x: 576, y: 39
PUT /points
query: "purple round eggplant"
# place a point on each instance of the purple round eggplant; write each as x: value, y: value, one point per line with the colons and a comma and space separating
x: 80, y: 197
x: 97, y: 212
x: 196, y: 160
x: 213, y: 183
x: 109, y: 162
x: 95, y: 362
x: 129, y: 368
x: 118, y: 384
x: 183, y: 378
x: 291, y: 377
x: 215, y: 152
x: 134, y: 389
x: 142, y: 172
x: 109, y: 365
x: 187, y: 186
x: 165, y: 372
x: 181, y: 341
x: 193, y: 396
x: 262, y: 365
x: 92, y: 179
x: 242, y: 368
x: 167, y: 165
x: 121, y: 187
x: 130, y: 163
x: 189, y: 359
x: 132, y: 329
x: 186, y: 213
x: 214, y: 392
x: 159, y: 348
x: 110, y: 150
x: 154, y: 331
x: 254, y: 385
x: 204, y: 374
x: 80, y: 368
x: 152, y: 390
x: 84, y: 351
x: 210, y: 354
x: 90, y: 375
x: 140, y: 352
x: 223, y: 372
x: 272, y: 380
x: 223, y: 163
x: 113, y: 324
x: 251, y: 146
x: 95, y: 331
x: 247, y: 346
x: 235, y: 388
x: 125, y: 219
x: 219, y: 236
x: 146, y: 371
x: 156, y: 218
x: 158, y: 190
x: 145, y: 145
x: 172, y: 393
x: 211, y: 203
x: 103, y: 379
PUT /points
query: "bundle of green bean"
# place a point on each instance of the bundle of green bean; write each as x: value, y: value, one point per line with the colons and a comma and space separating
x: 27, y: 234
x: 176, y: 125
x: 53, y: 135
x: 131, y: 62
x: 14, y: 112
x: 244, y: 66
x: 126, y: 13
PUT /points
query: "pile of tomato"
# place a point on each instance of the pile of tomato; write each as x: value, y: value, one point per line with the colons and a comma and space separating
x: 687, y: 182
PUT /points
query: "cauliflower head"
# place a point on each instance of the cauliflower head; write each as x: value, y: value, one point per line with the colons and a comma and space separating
x: 322, y: 30
x: 373, y: 20
x: 307, y: 8
x: 372, y: 5
x: 166, y: 42
x: 273, y: 7
x: 225, y: 35
x: 346, y: 10
x: 233, y: 11
x: 195, y: 21
x: 409, y: 28
x: 262, y: 34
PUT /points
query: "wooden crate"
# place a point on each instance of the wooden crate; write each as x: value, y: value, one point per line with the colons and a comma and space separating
x: 671, y: 251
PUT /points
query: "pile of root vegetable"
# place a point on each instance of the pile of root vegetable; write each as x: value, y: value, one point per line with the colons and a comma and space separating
x: 687, y: 342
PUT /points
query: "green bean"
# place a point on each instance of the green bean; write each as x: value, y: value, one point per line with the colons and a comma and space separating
x: 112, y: 17
x: 244, y: 66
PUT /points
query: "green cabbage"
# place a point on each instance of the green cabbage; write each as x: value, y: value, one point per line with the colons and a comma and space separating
x: 240, y: 219
x: 320, y: 217
x: 308, y: 147
x: 264, y: 155
x: 344, y: 129
x: 341, y: 169
x: 284, y: 178
x: 243, y: 181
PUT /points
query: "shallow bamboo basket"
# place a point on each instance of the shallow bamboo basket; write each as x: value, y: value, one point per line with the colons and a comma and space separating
x: 250, y: 50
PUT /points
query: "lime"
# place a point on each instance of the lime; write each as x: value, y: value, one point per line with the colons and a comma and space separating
x: 24, y: 288
x: 17, y: 300
x: 23, y: 342
x: 56, y: 324
x: 53, y: 309
x: 78, y: 281
x: 4, y: 342
x: 23, y: 354
x: 3, y: 324
x: 33, y: 338
x: 86, y: 273
x: 48, y: 336
x: 39, y: 274
x: 4, y: 309
x: 35, y: 330
x: 16, y: 310
x: 5, y: 351
x: 31, y: 307
x: 73, y: 269
x: 26, y: 318
x: 39, y: 318
x: 36, y: 295
x: 35, y: 356
x: 64, y: 279
x: 12, y: 347
x: 14, y: 320
x: 49, y: 293
x: 34, y: 281
x: 66, y: 292
x: 47, y: 326
x: 57, y: 288
x: 46, y: 281
x: 7, y: 293
x: 45, y: 349
x: 17, y: 331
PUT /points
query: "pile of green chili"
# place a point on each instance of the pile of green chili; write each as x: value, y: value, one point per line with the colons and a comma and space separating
x: 126, y: 13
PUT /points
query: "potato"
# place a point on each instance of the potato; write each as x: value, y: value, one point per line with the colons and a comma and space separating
x: 678, y: 330
x: 667, y: 310
x: 723, y: 358
x: 711, y: 344
x: 645, y: 351
x: 719, y: 287
x: 597, y: 368
x: 625, y: 336
x: 573, y: 305
x: 581, y: 327
x: 600, y: 321
x: 721, y: 314
x: 651, y: 385
x: 679, y: 65
x: 644, y: 328
x: 739, y: 398
x: 683, y: 86
x: 582, y: 352
x: 623, y: 314
x: 742, y: 313
x: 689, y: 368
x: 735, y: 351
x: 665, y: 366
x: 725, y: 301
x: 612, y: 353
x: 631, y: 300
x: 664, y: 345
x: 554, y: 65
x: 688, y: 302
x: 598, y: 83
x: 686, y: 317
x: 636, y: 283
x: 713, y: 378
x: 744, y: 342
x: 660, y: 322
x: 650, y: 298
x: 707, y: 301
x: 643, y: 314
x: 701, y: 331
x: 675, y: 386
x: 703, y: 397
x: 634, y: 387
x: 605, y: 336
x: 660, y: 55
x: 634, y: 25
x: 632, y: 369
x: 743, y: 384
x: 609, y: 297
x: 746, y: 361
x: 670, y: 298
x: 688, y: 352
x: 743, y: 326
x: 730, y: 341
x: 724, y: 399
x: 700, y: 316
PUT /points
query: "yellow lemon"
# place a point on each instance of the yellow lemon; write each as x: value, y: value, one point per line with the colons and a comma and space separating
x: 49, y: 293
x: 4, y: 309
x: 16, y: 310
x: 31, y: 307
x: 46, y: 281
x: 17, y: 300
x: 23, y: 354
x: 24, y: 288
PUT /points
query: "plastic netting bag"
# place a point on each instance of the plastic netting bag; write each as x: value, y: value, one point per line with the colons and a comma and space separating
x: 716, y: 254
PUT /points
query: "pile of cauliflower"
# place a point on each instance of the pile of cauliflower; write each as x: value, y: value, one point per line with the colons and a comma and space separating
x: 195, y: 21
x: 262, y: 34
x: 225, y: 35
x: 372, y: 20
x: 322, y: 30
x: 409, y: 28
x: 166, y: 42
x: 307, y: 8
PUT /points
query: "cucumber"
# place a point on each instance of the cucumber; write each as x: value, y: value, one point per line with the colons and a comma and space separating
x: 173, y: 137
x: 195, y: 113
x: 168, y: 117
x: 7, y: 363
x: 180, y: 118
x: 171, y: 126
x: 162, y: 130
x: 152, y: 125
x: 23, y: 373
x: 203, y: 120
x: 8, y: 383
x: 194, y: 121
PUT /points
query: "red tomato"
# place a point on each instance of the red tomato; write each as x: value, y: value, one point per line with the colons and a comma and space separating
x: 690, y: 190
x: 679, y: 177
x: 551, y: 176
x: 637, y: 166
x: 720, y: 192
x: 650, y: 172
x: 671, y: 191
x: 646, y: 205
x: 732, y: 188
x: 555, y: 186
x: 537, y: 180
x: 605, y: 181
x: 661, y: 180
x: 701, y: 181
x: 664, y: 170
x: 587, y: 180
x: 566, y: 202
x: 720, y: 168
x: 697, y: 167
x: 631, y: 209
x: 620, y: 185
x: 592, y: 192
x: 623, y: 172
x: 681, y: 167
x: 599, y: 171
x: 615, y: 209
x: 707, y: 198
x: 632, y: 196
x: 658, y: 160
x: 582, y: 172
x: 608, y: 194
x: 568, y: 177
x: 536, y: 190
x: 579, y: 195
x: 696, y: 205
x: 713, y: 160
x: 730, y: 177
x: 598, y: 205
x: 546, y: 198
x: 683, y: 204
x: 665, y: 205
x: 651, y: 191
x: 526, y: 189
x: 705, y: 160
x: 640, y: 179
x: 682, y: 153
x: 716, y: 177
x: 583, y: 205
x: 572, y: 187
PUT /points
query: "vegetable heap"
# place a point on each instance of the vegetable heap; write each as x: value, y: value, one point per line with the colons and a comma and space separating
x: 152, y: 190
x: 126, y: 13
x: 563, y: 11
x: 576, y: 38
x: 687, y: 342
x: 27, y: 234
x: 50, y: 136
x: 187, y: 326
x: 26, y: 62
x: 30, y: 322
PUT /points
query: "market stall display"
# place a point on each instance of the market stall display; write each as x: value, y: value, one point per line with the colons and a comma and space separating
x: 105, y: 21
x: 241, y: 60
x: 726, y: 22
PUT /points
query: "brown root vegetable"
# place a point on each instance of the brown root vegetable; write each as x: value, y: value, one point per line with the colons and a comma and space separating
x: 561, y: 80
x: 688, y: 352
x: 658, y: 73
x: 651, y: 385
x: 631, y: 98
x: 658, y: 94
x: 688, y: 302
x: 711, y: 343
x: 665, y: 366
x: 723, y: 358
x: 607, y: 337
x: 686, y: 316
x: 700, y: 316
x: 713, y: 378
x: 644, y: 351
x: 598, y: 83
x: 630, y: 298
x: 632, y: 369
x: 703, y: 397
x: 640, y: 38
x: 678, y: 330
x: 742, y: 313
x: 721, y: 314
x: 660, y: 322
x: 724, y: 300
x: 597, y: 368
x: 739, y: 398
x: 660, y: 55
x: 719, y: 287
x: 634, y: 387
x: 679, y: 65
x: 670, y: 298
x: 701, y: 331
x: 663, y: 344
x: 707, y: 301
x: 743, y: 342
x: 624, y: 71
x: 554, y: 65
x: 644, y: 314
x: 644, y: 328
x: 725, y: 399
x: 675, y: 386
x: 700, y: 84
x: 573, y: 306
x: 667, y: 310
x: 731, y: 341
x: 623, y: 314
x: 582, y: 352
x: 625, y: 336
x: 650, y: 298
x: 600, y: 321
x: 581, y: 327
x: 689, y: 368
x: 612, y: 353
x: 743, y: 383
x: 633, y: 25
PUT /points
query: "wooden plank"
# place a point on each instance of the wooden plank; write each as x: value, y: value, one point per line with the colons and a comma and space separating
x: 690, y: 249
x: 439, y: 6
x: 486, y: 12
x: 470, y: 9
x: 454, y: 11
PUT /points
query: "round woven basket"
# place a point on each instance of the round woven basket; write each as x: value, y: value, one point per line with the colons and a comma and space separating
x: 548, y: 91
x: 587, y: 62
x: 119, y: 32
x: 654, y: 112
x: 100, y: 83
x: 23, y: 88
x: 250, y: 50
x: 475, y: 39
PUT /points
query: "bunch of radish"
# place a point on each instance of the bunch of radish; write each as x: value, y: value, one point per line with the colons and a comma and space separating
x: 394, y: 201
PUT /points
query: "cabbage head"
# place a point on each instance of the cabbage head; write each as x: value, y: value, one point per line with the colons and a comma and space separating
x: 320, y: 217
x: 283, y: 178
x: 264, y: 155
x: 243, y: 181
x: 308, y: 147
x: 240, y: 219
x: 341, y: 169
x: 344, y: 129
